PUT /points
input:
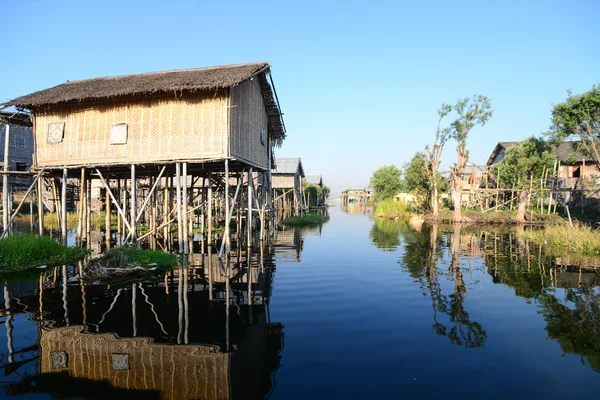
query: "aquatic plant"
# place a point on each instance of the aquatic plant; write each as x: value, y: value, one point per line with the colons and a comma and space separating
x: 560, y: 239
x: 305, y: 220
x: 29, y: 251
x: 392, y: 209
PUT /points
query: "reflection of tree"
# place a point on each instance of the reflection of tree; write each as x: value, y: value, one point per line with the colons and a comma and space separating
x: 576, y: 329
x: 421, y: 253
x: 385, y: 234
x: 573, y: 320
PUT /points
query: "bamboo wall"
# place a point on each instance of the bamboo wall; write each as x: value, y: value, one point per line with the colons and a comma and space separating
x: 285, y: 181
x: 248, y: 119
x: 178, y: 372
x: 159, y: 129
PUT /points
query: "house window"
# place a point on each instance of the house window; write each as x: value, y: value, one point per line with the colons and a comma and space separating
x: 56, y: 132
x: 118, y: 134
x: 263, y: 135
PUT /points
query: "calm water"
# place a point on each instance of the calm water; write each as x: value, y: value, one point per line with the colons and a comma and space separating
x: 356, y: 309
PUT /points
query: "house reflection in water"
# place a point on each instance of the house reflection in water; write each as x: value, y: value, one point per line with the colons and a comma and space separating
x: 195, y: 334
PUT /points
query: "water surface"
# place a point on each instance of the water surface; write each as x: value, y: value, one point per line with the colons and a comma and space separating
x: 359, y: 308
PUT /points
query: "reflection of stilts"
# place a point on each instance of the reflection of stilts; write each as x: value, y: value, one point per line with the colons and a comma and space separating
x: 8, y: 325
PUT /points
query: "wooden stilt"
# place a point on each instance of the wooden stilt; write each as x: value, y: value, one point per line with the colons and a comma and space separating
x: 6, y: 204
x: 107, y: 219
x: 40, y: 203
x: 165, y: 213
x: 63, y: 206
x: 80, y: 205
x: 133, y: 206
x: 209, y: 200
x: 31, y: 212
x: 88, y: 212
x: 119, y: 229
x: 178, y: 195
x: 227, y: 210
x: 186, y: 234
x: 249, y: 211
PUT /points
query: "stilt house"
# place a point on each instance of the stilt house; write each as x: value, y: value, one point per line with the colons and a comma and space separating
x: 287, y: 183
x: 222, y: 120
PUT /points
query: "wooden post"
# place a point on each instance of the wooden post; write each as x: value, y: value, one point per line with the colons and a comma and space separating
x: 186, y: 234
x: 80, y: 206
x: 249, y: 212
x: 31, y: 212
x: 165, y: 212
x: 5, y: 189
x: 107, y: 218
x: 63, y: 206
x: 227, y: 210
x: 88, y: 212
x: 40, y: 202
x: 133, y: 206
x: 119, y: 230
x: 178, y: 195
x: 209, y: 211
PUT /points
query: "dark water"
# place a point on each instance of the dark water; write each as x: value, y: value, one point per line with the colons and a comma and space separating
x: 357, y: 309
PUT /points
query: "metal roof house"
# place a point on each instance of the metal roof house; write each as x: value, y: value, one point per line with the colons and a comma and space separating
x: 287, y: 183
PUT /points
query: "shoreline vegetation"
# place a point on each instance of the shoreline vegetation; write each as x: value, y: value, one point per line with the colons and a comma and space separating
x: 23, y: 252
x: 305, y: 220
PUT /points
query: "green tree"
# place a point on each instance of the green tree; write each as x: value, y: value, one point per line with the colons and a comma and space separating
x: 433, y: 156
x: 386, y: 182
x: 470, y: 112
x: 522, y: 165
x: 415, y: 178
x: 579, y: 116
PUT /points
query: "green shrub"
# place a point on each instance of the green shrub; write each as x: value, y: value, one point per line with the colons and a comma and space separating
x: 392, y: 209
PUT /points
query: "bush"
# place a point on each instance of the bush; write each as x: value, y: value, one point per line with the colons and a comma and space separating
x: 392, y: 209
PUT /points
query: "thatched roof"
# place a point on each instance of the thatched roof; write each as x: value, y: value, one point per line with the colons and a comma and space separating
x: 565, y: 152
x: 185, y: 80
x: 154, y: 83
x: 288, y: 166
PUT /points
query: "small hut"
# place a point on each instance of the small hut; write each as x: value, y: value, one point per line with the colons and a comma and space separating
x: 197, y: 127
x: 287, y: 183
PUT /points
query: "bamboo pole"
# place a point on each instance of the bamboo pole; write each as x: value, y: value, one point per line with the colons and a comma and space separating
x: 14, y: 214
x: 5, y: 189
x: 115, y: 202
x: 107, y: 219
x: 40, y: 189
x: 133, y: 205
x: 184, y: 194
x: 210, y: 211
x: 63, y: 206
x: 178, y: 194
x: 80, y: 206
x: 249, y: 211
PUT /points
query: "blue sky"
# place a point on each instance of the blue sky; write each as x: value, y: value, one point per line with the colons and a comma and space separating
x: 359, y: 82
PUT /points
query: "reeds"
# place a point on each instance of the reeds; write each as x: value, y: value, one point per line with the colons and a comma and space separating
x: 305, y: 220
x: 390, y: 208
x: 562, y: 239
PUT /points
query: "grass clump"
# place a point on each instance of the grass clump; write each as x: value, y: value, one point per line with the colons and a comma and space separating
x: 305, y: 220
x: 390, y: 208
x: 561, y: 239
x: 18, y: 253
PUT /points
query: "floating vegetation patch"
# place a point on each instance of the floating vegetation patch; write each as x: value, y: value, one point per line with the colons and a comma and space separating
x: 127, y: 262
x: 18, y: 253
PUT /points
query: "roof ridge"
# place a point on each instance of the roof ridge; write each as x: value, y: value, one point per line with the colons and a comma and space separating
x: 166, y: 72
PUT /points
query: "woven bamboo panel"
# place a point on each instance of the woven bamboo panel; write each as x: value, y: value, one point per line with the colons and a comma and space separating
x: 177, y: 372
x: 283, y: 182
x: 248, y: 120
x: 159, y: 129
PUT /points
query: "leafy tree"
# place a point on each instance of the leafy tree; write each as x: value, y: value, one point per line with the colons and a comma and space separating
x: 433, y: 157
x: 315, y: 194
x: 386, y: 182
x: 521, y: 164
x: 471, y: 112
x: 579, y: 116
x: 415, y: 178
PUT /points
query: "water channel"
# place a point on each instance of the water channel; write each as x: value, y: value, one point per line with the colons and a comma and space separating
x: 358, y: 308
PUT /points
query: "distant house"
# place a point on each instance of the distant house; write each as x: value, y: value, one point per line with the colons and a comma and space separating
x: 287, y: 182
x: 356, y: 196
x: 573, y: 163
x: 21, y: 144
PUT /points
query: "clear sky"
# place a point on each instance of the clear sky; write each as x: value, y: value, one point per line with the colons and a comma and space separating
x: 359, y: 81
